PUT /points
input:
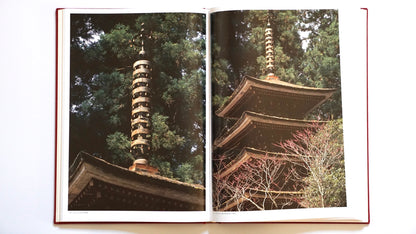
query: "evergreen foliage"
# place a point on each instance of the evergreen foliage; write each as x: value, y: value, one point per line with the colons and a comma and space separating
x: 102, y: 56
x: 306, y: 53
x: 101, y: 74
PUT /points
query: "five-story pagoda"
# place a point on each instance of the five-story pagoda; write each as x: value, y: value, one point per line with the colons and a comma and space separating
x: 266, y: 112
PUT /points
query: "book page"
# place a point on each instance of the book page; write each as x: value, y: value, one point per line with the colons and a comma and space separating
x: 131, y: 104
x: 290, y: 122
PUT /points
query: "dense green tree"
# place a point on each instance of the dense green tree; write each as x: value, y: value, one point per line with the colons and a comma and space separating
x: 306, y: 53
x: 102, y: 54
x: 238, y: 47
x: 119, y: 146
x: 321, y: 62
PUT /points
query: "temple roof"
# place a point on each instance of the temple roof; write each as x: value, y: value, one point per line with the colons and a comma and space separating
x: 273, y: 97
x: 260, y: 131
x: 245, y: 154
x: 92, y: 179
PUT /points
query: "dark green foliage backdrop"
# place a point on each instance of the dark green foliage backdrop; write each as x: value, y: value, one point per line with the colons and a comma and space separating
x: 101, y: 60
x: 101, y: 77
x: 306, y: 53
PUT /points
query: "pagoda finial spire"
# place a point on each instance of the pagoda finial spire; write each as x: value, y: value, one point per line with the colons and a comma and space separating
x: 270, y: 68
x: 141, y: 110
x: 142, y: 53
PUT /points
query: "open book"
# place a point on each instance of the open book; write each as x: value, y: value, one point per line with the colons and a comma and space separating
x: 211, y: 116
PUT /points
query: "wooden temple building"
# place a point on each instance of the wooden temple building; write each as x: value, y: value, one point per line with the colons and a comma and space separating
x: 265, y: 112
x: 95, y: 184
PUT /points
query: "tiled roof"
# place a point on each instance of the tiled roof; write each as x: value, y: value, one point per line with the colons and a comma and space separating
x: 251, y: 120
x: 251, y: 88
x: 87, y: 167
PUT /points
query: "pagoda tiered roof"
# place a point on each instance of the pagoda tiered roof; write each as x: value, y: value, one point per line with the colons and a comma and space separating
x: 260, y: 131
x: 273, y: 97
x: 95, y: 184
x: 248, y: 153
x: 267, y: 112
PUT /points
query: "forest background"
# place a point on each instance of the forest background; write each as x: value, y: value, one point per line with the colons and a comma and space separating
x: 102, y: 54
x: 306, y: 53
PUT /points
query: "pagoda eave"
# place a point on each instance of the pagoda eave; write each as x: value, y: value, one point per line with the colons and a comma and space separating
x: 246, y: 153
x: 249, y: 121
x: 302, y: 99
x: 97, y: 184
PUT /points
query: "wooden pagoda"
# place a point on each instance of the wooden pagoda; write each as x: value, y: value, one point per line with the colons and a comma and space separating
x: 265, y: 112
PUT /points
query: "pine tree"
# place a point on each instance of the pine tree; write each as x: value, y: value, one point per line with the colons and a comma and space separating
x: 321, y: 63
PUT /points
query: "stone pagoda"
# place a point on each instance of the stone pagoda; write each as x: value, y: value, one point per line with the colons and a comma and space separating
x: 265, y: 112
